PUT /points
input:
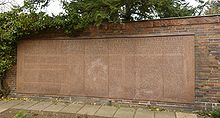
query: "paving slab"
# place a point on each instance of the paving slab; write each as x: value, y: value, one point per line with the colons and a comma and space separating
x: 143, y: 113
x: 88, y: 110
x: 25, y: 104
x: 185, y: 115
x: 55, y: 107
x: 40, y: 106
x: 9, y: 104
x: 164, y: 114
x: 3, y: 109
x: 2, y: 102
x: 124, y: 112
x: 106, y: 111
x: 72, y: 108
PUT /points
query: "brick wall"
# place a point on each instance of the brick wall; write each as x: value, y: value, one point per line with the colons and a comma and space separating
x: 207, y: 47
x: 11, y: 81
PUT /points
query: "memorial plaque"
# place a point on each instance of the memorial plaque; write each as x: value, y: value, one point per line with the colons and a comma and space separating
x: 75, y: 75
x: 189, y: 67
x: 162, y: 69
x: 121, y: 68
x: 96, y: 68
x: 173, y: 73
x: 149, y: 46
x: 32, y: 88
x: 151, y: 68
x: 149, y: 77
x: 74, y: 51
x: 121, y: 71
x: 173, y: 68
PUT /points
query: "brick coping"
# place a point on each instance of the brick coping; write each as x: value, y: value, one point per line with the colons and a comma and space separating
x: 174, y: 18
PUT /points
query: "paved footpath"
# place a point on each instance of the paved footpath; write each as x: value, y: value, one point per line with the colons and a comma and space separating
x: 83, y: 110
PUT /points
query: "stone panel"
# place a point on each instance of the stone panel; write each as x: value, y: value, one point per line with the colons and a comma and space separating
x: 96, y: 68
x: 148, y: 68
x: 149, y: 77
x: 174, y: 77
x: 173, y: 68
x: 96, y: 76
x: 151, y: 68
x: 75, y: 75
x: 164, y: 69
x: 74, y: 51
x: 189, y: 67
x: 121, y: 68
